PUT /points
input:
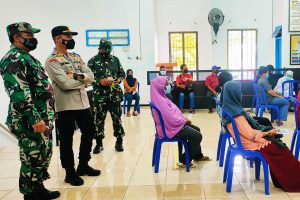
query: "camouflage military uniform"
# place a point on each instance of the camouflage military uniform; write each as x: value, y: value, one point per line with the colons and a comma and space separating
x: 31, y: 100
x: 107, y: 98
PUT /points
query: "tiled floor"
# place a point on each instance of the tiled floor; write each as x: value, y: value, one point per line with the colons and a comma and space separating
x: 129, y: 175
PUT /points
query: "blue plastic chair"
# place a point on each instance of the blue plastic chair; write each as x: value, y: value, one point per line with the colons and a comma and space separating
x: 158, y: 141
x: 224, y: 137
x: 254, y: 97
x: 291, y: 84
x: 262, y: 104
x: 296, y: 135
x: 125, y: 101
x: 237, y: 149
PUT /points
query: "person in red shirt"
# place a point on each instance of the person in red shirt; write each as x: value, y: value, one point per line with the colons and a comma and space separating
x: 184, y: 85
x: 212, y: 83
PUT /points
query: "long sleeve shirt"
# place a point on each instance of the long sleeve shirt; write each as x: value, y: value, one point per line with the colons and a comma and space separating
x: 251, y: 139
x: 70, y: 94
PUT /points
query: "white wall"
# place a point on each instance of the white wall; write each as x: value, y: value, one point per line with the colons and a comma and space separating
x: 158, y: 18
x: 79, y: 16
x: 188, y: 15
x: 286, y: 35
x: 245, y: 14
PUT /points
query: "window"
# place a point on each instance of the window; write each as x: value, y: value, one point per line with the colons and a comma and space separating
x: 183, y: 47
x: 242, y: 53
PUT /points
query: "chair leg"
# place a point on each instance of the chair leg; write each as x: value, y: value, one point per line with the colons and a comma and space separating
x: 278, y: 117
x: 293, y: 140
x: 256, y: 111
x: 179, y: 150
x: 266, y: 177
x: 257, y: 168
x: 261, y: 113
x: 139, y: 108
x: 230, y: 173
x: 124, y: 106
x: 222, y: 151
x: 225, y: 174
x: 297, y: 148
x: 187, y: 156
x: 251, y: 162
x: 157, y: 156
x: 154, y: 151
x: 219, y: 146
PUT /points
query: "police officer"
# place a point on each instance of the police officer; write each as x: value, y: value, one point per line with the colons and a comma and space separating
x: 30, y: 115
x: 107, y: 93
x: 70, y: 76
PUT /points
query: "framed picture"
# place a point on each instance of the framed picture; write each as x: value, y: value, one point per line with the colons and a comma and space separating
x: 295, y: 49
x: 294, y: 15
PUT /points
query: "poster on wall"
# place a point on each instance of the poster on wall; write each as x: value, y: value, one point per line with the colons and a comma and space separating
x: 294, y: 16
x: 295, y: 50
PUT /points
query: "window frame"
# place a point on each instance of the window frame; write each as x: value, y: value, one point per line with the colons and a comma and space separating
x: 242, y: 42
x: 183, y: 45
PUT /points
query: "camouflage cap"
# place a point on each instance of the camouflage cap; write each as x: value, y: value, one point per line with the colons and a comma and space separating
x: 105, y: 43
x: 21, y: 27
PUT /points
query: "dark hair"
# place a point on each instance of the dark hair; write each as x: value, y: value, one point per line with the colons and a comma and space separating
x: 162, y: 67
x: 224, y: 77
x: 181, y: 66
x: 11, y: 37
x: 270, y: 67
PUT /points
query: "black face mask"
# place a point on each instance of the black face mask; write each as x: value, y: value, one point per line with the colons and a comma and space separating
x: 70, y: 44
x: 30, y: 43
x: 185, y: 71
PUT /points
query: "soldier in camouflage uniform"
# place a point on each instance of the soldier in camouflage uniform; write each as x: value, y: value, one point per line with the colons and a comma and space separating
x: 107, y: 93
x: 30, y: 114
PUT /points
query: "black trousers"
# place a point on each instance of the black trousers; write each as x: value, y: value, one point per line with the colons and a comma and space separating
x: 193, y: 135
x: 210, y: 100
x: 66, y: 126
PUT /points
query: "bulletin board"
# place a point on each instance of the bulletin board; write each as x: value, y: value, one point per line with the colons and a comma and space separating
x: 294, y: 15
x: 295, y: 49
x: 118, y: 37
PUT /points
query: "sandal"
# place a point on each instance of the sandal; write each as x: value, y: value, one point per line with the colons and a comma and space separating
x: 181, y: 165
x: 204, y: 158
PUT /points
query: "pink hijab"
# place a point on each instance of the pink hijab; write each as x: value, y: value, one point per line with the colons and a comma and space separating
x: 172, y: 116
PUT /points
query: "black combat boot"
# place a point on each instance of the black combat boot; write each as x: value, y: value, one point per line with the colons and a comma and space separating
x: 99, y: 146
x: 73, y: 178
x: 119, y: 144
x: 84, y: 169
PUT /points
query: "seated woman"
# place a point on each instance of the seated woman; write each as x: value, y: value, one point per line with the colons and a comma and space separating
x: 130, y: 93
x: 184, y: 86
x: 176, y: 125
x: 272, y: 96
x: 284, y: 167
x: 278, y: 88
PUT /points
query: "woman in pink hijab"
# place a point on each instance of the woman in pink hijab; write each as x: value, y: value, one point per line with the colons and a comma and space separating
x: 175, y: 123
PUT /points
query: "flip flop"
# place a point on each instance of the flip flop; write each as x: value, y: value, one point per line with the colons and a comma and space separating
x: 204, y: 158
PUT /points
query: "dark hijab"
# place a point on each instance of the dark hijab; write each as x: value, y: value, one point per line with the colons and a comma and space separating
x: 231, y: 98
x: 129, y: 78
x: 223, y: 78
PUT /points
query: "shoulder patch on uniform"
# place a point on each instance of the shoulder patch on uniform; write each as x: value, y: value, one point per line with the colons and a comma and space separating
x: 75, y: 54
x: 52, y: 60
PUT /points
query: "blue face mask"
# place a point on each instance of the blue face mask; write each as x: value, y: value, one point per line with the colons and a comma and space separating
x: 168, y: 89
x: 163, y: 73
